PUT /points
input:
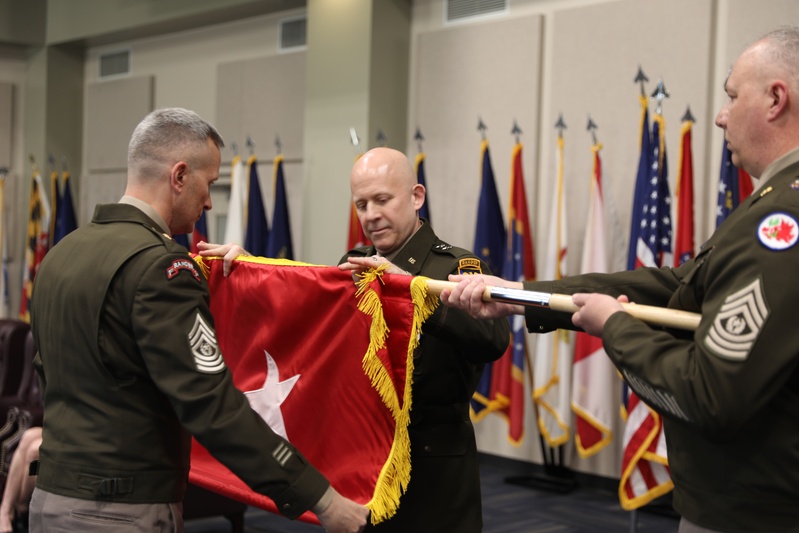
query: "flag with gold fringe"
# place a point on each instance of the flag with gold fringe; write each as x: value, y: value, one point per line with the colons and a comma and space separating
x: 36, y: 241
x: 489, y: 245
x: 684, y: 234
x: 256, y: 233
x: 553, y: 353
x: 421, y: 179
x: 645, y: 473
x: 508, y: 376
x: 593, y: 374
x: 347, y: 352
x: 280, y: 244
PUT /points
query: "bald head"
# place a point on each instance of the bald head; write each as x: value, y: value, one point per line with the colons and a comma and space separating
x: 387, y: 198
x: 384, y: 163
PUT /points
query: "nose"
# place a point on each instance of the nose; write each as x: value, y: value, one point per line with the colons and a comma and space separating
x: 721, y: 117
x: 371, y: 212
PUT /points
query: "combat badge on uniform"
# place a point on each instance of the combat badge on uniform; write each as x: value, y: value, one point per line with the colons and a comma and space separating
x: 469, y: 266
x: 738, y: 323
x: 207, y: 355
x: 778, y: 231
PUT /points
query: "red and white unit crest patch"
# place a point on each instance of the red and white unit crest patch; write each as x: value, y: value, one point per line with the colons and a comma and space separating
x: 778, y: 231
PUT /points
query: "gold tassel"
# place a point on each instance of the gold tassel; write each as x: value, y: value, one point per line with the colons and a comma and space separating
x: 396, y: 473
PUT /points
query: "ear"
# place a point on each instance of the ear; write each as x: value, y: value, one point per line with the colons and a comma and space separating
x: 177, y: 175
x: 778, y: 95
x: 418, y: 193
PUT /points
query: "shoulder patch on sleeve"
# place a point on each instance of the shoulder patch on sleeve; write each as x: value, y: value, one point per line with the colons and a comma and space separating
x: 778, y: 231
x: 182, y: 264
x: 207, y: 355
x: 470, y: 265
x: 738, y: 323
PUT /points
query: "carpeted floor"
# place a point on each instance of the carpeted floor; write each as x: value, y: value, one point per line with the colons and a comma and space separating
x: 507, y: 508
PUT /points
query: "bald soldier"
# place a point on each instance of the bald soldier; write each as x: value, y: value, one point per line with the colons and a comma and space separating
x: 728, y: 393
x: 444, y: 491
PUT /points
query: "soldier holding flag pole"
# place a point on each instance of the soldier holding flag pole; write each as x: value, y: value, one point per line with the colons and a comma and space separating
x: 729, y: 392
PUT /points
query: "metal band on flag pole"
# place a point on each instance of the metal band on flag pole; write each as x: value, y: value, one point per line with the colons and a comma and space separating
x: 659, y: 316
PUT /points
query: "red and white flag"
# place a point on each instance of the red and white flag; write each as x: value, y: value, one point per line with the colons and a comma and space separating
x: 645, y: 467
x: 349, y: 356
x: 593, y: 374
x: 553, y: 353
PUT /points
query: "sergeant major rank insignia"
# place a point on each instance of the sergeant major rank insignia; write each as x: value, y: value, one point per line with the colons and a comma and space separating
x: 207, y: 355
x: 470, y: 265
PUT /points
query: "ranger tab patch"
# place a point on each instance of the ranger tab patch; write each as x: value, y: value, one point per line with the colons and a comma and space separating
x: 469, y: 266
x: 778, y: 231
x: 737, y: 324
x: 182, y: 264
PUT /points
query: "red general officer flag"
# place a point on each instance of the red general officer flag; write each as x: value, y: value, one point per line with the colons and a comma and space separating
x: 327, y: 368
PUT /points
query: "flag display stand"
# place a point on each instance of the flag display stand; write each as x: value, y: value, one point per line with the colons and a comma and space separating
x: 555, y: 477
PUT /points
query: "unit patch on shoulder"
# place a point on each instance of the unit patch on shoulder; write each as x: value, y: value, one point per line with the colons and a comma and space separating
x: 738, y: 323
x: 469, y: 265
x: 207, y: 355
x: 182, y: 264
x: 778, y: 231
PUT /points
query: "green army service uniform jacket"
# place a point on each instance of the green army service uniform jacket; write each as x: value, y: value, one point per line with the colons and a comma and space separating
x: 130, y: 368
x: 729, y: 392
x: 444, y: 491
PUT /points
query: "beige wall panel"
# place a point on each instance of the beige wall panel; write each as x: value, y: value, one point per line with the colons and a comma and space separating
x: 99, y: 188
x: 6, y: 123
x: 262, y: 98
x: 113, y: 109
x: 489, y: 71
x: 746, y: 21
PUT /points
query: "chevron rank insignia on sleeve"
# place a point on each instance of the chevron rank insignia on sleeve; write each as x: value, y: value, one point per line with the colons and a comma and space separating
x: 207, y: 355
x: 738, y: 323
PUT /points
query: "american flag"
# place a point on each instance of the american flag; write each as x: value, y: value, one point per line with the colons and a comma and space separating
x: 645, y: 473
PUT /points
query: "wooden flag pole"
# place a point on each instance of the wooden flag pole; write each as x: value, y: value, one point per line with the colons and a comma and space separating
x: 659, y: 316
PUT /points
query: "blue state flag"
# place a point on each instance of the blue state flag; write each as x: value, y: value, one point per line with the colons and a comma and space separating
x: 641, y: 183
x: 65, y: 221
x: 280, y: 245
x: 489, y: 245
x: 421, y: 179
x: 256, y: 234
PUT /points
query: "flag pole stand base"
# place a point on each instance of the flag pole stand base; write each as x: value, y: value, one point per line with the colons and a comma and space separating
x: 553, y: 479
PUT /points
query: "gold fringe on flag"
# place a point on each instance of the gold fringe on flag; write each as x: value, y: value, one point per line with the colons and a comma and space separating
x: 396, y: 473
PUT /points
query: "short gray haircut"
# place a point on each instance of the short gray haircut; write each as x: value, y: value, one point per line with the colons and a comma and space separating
x: 783, y: 49
x: 168, y: 135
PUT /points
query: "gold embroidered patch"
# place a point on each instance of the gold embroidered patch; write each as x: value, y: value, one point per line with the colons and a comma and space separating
x: 469, y: 266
